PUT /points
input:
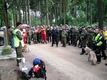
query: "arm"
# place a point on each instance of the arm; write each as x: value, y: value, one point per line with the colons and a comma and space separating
x: 19, y: 35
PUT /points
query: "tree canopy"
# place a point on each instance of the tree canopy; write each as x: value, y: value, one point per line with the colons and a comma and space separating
x: 71, y: 12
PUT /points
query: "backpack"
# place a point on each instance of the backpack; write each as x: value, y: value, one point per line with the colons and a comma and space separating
x: 38, y: 69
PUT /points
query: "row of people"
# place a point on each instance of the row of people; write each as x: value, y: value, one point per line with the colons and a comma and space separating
x: 94, y: 38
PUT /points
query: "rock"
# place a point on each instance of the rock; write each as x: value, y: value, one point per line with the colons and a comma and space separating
x: 6, y: 50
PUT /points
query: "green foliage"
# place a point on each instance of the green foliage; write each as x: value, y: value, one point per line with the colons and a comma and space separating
x: 74, y: 14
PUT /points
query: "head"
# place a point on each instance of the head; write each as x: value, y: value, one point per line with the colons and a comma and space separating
x: 54, y: 28
x: 104, y: 28
x: 96, y: 31
x: 19, y: 25
x: 101, y: 32
x: 83, y: 28
x: 60, y: 25
x: 12, y: 27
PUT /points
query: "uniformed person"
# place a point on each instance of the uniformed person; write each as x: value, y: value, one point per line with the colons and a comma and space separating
x: 90, y: 36
x: 68, y: 36
x: 83, y: 37
x: 34, y: 36
x: 54, y: 37
x: 79, y: 39
x: 48, y: 33
x: 18, y: 42
x: 11, y: 36
x: 75, y: 37
x: 64, y: 38
x: 29, y: 35
x: 60, y: 32
x: 71, y: 40
x: 98, y: 41
x: 105, y: 42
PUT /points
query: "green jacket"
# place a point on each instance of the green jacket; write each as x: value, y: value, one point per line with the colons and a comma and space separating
x: 64, y: 34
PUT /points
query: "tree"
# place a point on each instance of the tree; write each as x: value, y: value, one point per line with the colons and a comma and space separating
x: 100, y: 14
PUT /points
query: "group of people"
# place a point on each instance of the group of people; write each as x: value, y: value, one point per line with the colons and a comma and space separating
x: 93, y: 37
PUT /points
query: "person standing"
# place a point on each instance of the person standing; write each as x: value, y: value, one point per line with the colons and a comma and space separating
x: 35, y: 36
x: 11, y: 36
x: 64, y: 38
x: 43, y: 34
x: 60, y: 32
x: 83, y: 37
x: 90, y: 36
x: 105, y: 41
x: 48, y: 33
x: 54, y: 37
x: 98, y: 44
x: 29, y: 33
x: 18, y: 42
x: 24, y: 36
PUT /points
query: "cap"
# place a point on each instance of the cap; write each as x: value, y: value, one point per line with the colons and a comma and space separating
x: 18, y: 23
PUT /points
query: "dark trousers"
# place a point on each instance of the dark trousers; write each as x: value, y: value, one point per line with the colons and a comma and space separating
x: 54, y: 40
x: 98, y: 54
x: 49, y: 37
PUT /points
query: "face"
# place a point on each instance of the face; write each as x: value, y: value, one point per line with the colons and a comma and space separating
x: 83, y: 29
x: 20, y: 26
x: 61, y: 25
x: 54, y: 28
x: 101, y: 32
x: 96, y: 31
x: 104, y: 28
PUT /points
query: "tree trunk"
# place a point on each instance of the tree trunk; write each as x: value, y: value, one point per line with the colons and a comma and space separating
x: 87, y: 17
x: 6, y: 21
x: 60, y: 7
x: 100, y: 14
x: 28, y: 7
x: 25, y: 12
x: 40, y: 9
x: 18, y: 6
x: 47, y: 17
x: 91, y: 12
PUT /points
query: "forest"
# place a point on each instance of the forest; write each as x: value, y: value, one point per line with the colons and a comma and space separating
x: 38, y: 12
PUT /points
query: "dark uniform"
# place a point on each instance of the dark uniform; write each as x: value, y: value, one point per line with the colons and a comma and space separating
x: 48, y: 33
x: 39, y: 36
x: 71, y: 36
x: 90, y: 37
x: 60, y: 32
x: 34, y: 37
x: 83, y: 37
x: 68, y: 36
x: 29, y: 36
x: 11, y: 37
x: 54, y: 37
x: 98, y: 46
x: 75, y: 37
x: 79, y: 39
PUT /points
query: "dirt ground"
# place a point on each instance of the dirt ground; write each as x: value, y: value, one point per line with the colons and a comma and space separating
x: 62, y: 63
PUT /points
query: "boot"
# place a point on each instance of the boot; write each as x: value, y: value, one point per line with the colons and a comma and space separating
x: 83, y: 51
x: 104, y: 58
x: 18, y: 61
